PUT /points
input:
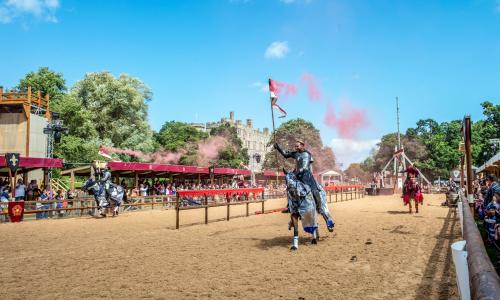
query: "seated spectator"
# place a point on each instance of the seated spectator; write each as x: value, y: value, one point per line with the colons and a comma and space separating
x: 20, y: 190
x: 61, y: 203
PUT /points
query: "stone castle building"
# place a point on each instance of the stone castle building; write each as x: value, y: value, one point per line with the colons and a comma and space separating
x: 254, y: 139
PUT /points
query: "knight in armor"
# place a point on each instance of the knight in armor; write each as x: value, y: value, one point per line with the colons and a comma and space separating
x: 302, y: 170
x: 105, y: 180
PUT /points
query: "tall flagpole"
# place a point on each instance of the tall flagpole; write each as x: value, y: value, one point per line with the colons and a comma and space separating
x: 274, y: 135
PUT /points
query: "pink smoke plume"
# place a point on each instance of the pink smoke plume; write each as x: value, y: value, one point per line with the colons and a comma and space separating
x: 313, y: 90
x: 285, y: 89
x: 208, y: 150
x: 348, y: 122
x: 156, y: 157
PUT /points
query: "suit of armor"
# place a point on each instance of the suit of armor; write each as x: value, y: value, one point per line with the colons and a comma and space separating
x: 106, y: 181
x: 303, y: 161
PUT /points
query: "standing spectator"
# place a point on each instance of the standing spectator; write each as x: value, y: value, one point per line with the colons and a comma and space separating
x: 492, y: 184
x: 20, y: 190
x: 4, y: 199
x: 33, y: 191
x: 143, y: 190
x: 61, y: 202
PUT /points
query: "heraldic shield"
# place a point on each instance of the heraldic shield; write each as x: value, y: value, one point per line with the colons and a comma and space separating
x: 16, y: 211
x: 12, y: 160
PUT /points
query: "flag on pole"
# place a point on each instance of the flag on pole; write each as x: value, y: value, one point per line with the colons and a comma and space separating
x: 273, y: 91
x: 102, y: 152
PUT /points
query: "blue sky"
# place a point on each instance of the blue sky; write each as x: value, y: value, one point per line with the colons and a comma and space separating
x: 205, y: 58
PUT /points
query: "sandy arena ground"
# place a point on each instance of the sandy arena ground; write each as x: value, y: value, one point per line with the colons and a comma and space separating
x: 378, y: 251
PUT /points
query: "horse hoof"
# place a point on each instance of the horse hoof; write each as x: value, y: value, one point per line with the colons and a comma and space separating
x: 293, y: 248
x: 314, y: 241
x: 330, y: 229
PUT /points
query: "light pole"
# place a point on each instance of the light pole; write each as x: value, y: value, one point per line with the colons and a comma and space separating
x: 54, y: 132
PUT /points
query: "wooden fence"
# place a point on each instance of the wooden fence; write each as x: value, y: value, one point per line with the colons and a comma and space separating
x: 185, y: 200
x: 483, y: 279
x: 345, y: 192
x: 231, y: 197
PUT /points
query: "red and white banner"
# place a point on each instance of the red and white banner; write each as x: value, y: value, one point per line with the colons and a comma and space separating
x: 273, y: 91
x: 102, y: 152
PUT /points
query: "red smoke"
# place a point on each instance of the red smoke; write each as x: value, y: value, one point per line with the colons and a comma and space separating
x: 208, y: 150
x: 285, y: 89
x: 313, y: 90
x: 349, y: 121
x: 156, y: 157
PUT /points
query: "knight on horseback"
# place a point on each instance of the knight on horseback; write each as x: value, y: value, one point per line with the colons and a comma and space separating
x: 411, y: 188
x: 105, y: 180
x: 304, y: 174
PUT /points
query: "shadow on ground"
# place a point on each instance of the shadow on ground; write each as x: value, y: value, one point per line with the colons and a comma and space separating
x: 440, y: 287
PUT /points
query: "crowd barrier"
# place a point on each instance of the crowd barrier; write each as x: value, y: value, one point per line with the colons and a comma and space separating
x: 484, y: 282
x: 231, y: 196
x: 184, y: 200
x: 346, y: 192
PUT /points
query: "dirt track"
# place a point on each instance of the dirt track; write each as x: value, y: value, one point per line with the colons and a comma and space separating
x: 378, y: 251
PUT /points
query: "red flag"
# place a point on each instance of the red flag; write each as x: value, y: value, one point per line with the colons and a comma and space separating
x: 273, y: 91
x: 102, y: 152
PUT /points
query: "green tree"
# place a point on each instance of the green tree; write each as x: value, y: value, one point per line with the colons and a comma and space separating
x: 47, y: 82
x: 288, y: 133
x: 174, y: 136
x: 117, y: 108
x: 233, y: 155
x: 483, y: 131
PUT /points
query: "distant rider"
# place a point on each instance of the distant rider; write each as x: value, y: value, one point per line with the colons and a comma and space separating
x: 106, y: 181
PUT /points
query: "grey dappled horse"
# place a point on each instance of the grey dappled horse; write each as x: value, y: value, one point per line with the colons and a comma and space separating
x: 116, y: 194
x: 301, y: 204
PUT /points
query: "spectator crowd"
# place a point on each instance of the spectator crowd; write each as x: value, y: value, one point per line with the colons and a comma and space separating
x: 487, y: 206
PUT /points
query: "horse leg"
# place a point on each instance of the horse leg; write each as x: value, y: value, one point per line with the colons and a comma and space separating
x: 295, y: 222
x: 416, y: 206
x: 409, y: 206
x: 315, y: 237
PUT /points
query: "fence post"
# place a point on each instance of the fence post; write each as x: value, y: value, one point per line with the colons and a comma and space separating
x: 262, y: 205
x: 206, y: 209
x: 248, y: 204
x: 329, y: 196
x: 228, y: 200
x: 341, y: 194
x: 177, y: 202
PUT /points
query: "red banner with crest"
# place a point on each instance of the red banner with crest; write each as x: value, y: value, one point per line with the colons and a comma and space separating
x: 16, y: 211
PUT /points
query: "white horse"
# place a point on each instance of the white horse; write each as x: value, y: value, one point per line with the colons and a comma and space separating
x: 301, y: 204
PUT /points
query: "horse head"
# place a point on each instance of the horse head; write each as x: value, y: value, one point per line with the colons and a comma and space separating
x: 90, y: 186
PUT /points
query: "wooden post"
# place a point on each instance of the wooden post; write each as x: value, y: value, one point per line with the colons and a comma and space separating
x: 72, y: 181
x: 136, y: 180
x: 468, y: 161
x: 336, y: 195
x: 262, y: 205
x: 177, y: 203
x: 206, y: 209
x: 248, y: 204
x: 341, y: 194
x: 329, y: 196
x: 228, y: 199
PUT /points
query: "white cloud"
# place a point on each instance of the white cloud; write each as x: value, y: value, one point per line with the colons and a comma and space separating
x: 277, y: 50
x: 349, y: 151
x: 37, y: 9
x: 259, y: 85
